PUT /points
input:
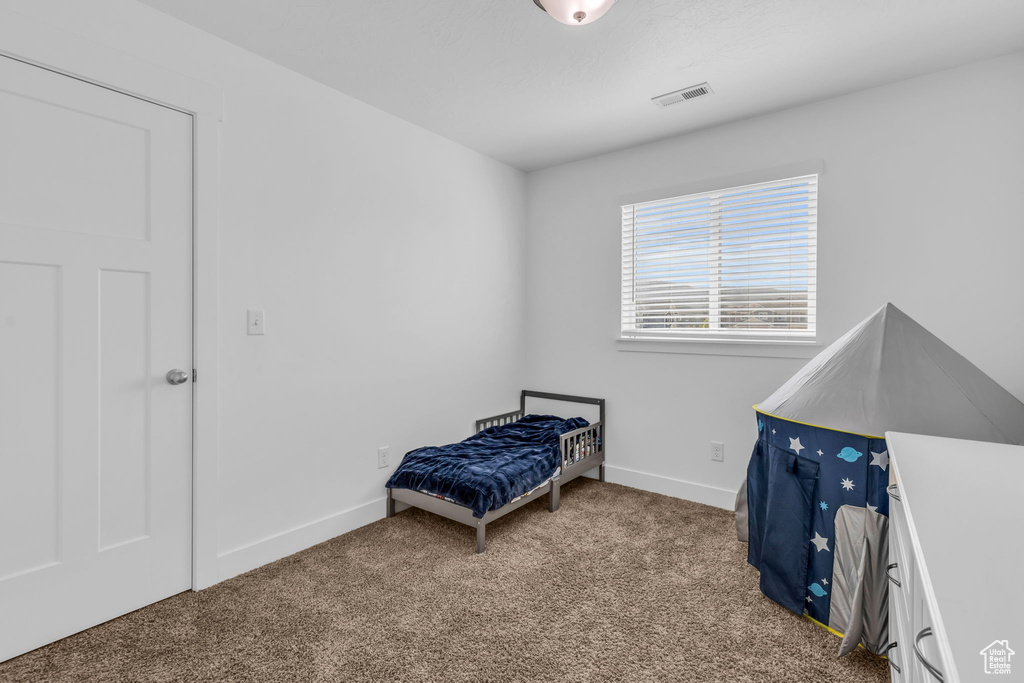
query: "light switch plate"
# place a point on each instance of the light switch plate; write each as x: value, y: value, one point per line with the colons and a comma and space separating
x: 257, y: 322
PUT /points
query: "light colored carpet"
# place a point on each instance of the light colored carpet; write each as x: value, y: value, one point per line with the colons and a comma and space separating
x: 618, y: 585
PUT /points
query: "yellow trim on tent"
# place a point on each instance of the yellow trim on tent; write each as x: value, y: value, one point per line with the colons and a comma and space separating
x: 831, y: 630
x: 808, y: 424
x: 827, y: 628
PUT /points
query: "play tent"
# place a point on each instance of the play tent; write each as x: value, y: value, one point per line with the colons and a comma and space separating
x: 816, y: 504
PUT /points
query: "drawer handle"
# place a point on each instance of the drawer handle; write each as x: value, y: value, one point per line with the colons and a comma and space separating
x: 890, y: 576
x: 888, y: 655
x: 891, y: 490
x: 924, y: 633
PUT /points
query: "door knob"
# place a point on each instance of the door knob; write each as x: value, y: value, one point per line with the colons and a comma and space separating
x: 177, y: 376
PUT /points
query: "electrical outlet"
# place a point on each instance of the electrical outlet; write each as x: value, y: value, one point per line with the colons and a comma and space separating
x: 383, y: 457
x: 718, y: 451
x: 256, y: 322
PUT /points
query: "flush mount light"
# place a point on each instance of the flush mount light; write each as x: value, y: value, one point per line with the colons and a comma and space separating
x: 575, y: 12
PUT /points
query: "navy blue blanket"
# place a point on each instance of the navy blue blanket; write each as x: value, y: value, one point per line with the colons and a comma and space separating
x: 490, y: 468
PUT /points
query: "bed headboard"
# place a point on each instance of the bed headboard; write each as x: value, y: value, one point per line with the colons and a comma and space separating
x: 506, y: 418
x: 599, y: 402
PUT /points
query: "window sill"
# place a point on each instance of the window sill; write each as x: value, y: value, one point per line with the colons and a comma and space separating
x: 722, y: 347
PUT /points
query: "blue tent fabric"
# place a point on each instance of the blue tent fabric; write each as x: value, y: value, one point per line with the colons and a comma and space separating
x: 778, y: 546
x: 798, y: 477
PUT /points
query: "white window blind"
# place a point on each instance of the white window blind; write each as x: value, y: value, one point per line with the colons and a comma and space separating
x: 737, y: 263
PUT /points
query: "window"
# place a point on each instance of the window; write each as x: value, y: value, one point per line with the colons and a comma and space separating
x: 731, y: 264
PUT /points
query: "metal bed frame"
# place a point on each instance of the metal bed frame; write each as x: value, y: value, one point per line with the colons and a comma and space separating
x: 581, y: 451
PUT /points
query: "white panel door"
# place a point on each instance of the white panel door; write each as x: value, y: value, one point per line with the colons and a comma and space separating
x: 95, y: 309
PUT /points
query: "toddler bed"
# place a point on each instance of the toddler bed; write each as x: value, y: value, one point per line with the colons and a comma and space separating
x: 512, y: 459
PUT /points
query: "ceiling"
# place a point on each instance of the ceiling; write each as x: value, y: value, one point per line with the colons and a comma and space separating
x: 503, y: 78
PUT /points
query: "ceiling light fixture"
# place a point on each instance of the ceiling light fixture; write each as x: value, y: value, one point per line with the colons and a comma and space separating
x: 575, y: 12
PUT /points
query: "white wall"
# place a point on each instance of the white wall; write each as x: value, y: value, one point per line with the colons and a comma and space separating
x: 399, y: 272
x: 921, y: 204
x: 390, y: 263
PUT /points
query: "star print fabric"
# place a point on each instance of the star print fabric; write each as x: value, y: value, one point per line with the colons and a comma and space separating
x: 799, y: 476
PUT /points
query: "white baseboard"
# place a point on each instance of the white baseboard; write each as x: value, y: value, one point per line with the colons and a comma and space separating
x: 249, y: 557
x: 678, y: 488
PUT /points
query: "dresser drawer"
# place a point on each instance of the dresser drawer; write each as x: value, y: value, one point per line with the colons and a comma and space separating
x: 901, y: 653
x: 955, y: 535
x: 900, y: 599
x: 928, y: 663
x: 901, y: 576
x: 915, y: 657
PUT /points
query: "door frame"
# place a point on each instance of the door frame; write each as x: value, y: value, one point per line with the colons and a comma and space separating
x: 46, y: 46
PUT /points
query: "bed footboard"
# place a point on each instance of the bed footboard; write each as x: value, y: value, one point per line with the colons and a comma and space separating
x: 582, y: 450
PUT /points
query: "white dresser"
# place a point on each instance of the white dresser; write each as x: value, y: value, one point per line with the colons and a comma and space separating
x: 956, y: 560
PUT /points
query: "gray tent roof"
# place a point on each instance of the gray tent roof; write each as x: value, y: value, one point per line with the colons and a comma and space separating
x: 890, y: 374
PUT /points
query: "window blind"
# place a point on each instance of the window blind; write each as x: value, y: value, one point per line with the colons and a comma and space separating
x: 738, y: 263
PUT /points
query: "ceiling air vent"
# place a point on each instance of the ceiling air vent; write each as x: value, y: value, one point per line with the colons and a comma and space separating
x: 677, y: 96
